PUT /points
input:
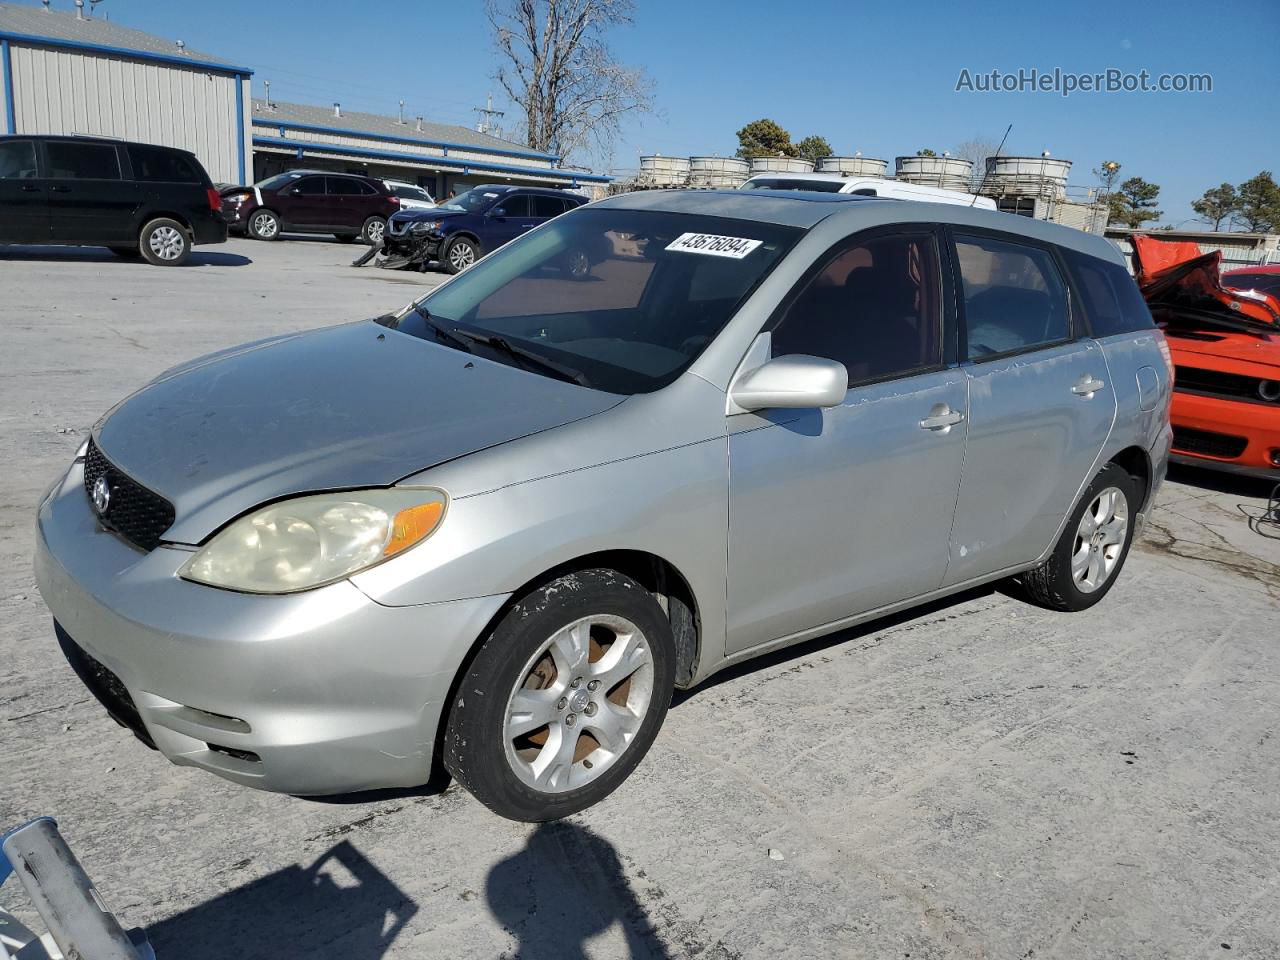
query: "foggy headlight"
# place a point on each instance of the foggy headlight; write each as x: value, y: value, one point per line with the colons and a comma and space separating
x: 304, y: 543
x: 424, y: 226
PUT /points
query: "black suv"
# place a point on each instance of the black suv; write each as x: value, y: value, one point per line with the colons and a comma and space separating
x: 133, y: 198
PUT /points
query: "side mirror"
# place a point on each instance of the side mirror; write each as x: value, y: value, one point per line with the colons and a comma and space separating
x: 497, y: 213
x: 795, y: 381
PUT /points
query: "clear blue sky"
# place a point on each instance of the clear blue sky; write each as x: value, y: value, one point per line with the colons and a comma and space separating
x: 875, y: 77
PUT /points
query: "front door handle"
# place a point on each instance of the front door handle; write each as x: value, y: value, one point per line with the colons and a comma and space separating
x: 28, y: 188
x: 1088, y: 386
x: 941, y: 418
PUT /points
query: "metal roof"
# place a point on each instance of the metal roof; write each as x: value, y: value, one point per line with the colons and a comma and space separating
x: 62, y: 28
x: 355, y: 123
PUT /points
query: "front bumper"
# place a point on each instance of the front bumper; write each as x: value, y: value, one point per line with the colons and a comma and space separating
x: 1255, y: 425
x: 408, y: 244
x: 312, y: 693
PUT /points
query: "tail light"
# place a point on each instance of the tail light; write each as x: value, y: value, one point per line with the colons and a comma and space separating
x: 215, y: 200
x: 395, y: 201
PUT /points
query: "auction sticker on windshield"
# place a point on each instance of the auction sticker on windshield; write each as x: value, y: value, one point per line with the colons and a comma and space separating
x: 713, y: 245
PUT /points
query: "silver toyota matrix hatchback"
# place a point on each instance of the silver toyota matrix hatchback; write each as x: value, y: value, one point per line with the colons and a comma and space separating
x: 495, y: 530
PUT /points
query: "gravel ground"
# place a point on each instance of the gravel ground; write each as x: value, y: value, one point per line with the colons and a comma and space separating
x: 979, y: 778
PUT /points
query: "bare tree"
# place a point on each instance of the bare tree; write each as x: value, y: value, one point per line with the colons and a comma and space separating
x: 977, y: 149
x: 558, y: 69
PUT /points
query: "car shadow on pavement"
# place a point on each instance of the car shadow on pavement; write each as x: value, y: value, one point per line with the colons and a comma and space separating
x: 197, y: 257
x: 564, y: 888
x: 1222, y: 482
x: 339, y: 906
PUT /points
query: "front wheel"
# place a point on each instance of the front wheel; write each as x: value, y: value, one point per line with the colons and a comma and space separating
x: 1088, y: 556
x: 164, y: 242
x: 459, y: 254
x: 264, y: 225
x: 564, y: 698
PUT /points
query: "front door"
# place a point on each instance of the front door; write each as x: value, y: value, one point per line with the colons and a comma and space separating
x: 89, y: 201
x: 307, y: 205
x: 24, y: 197
x: 510, y: 218
x: 837, y: 512
x: 1040, y: 406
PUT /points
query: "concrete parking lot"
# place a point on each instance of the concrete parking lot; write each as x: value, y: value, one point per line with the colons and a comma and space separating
x: 980, y: 778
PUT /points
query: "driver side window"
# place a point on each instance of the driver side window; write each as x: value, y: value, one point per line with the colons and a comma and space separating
x: 875, y: 306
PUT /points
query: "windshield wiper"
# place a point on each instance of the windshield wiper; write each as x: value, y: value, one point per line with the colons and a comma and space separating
x: 442, y: 332
x: 559, y: 370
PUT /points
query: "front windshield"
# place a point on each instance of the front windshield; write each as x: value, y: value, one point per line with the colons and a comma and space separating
x: 623, y: 300
x: 473, y: 201
x: 1262, y: 282
x: 279, y: 180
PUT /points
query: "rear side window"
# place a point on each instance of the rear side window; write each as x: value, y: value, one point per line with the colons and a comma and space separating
x: 1014, y: 297
x: 875, y: 306
x: 17, y: 160
x: 155, y: 165
x: 345, y: 187
x: 1109, y: 296
x: 82, y: 161
x: 546, y: 206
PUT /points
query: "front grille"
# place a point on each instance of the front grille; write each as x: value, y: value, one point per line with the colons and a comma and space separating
x: 104, y: 685
x: 1207, y: 443
x: 1231, y: 386
x: 133, y: 511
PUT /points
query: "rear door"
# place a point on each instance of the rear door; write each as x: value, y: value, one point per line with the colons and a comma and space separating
x: 90, y: 201
x: 24, y: 196
x: 1040, y: 404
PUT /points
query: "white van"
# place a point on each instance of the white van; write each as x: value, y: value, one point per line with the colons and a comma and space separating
x: 865, y: 186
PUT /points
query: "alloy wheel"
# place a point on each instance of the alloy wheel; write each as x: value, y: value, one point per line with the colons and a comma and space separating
x: 462, y: 255
x: 578, y: 703
x: 265, y: 225
x: 376, y: 231
x: 1100, y: 540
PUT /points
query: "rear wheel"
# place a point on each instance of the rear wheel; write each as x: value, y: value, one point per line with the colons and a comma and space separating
x: 460, y: 253
x: 1094, y: 544
x: 564, y: 698
x: 264, y: 225
x: 164, y: 242
x: 373, y: 230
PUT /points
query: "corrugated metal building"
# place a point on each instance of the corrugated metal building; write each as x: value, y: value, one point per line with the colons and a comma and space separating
x: 439, y: 157
x: 60, y: 73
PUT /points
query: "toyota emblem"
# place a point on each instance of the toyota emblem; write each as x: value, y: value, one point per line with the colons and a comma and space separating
x: 101, y: 495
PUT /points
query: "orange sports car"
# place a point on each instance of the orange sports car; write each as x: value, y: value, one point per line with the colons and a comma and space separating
x: 1224, y: 335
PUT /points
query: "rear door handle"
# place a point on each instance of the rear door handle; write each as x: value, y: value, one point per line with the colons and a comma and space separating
x: 941, y: 418
x: 59, y: 189
x: 1088, y: 386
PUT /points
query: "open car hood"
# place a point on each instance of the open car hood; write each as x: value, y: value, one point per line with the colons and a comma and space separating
x: 1184, y: 288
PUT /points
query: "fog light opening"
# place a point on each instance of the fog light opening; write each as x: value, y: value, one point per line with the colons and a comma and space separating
x: 1274, y: 456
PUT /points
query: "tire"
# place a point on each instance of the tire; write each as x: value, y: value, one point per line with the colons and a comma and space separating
x: 164, y: 243
x: 373, y: 230
x: 530, y: 771
x: 459, y: 253
x: 577, y: 264
x: 346, y: 237
x: 264, y: 225
x: 1088, y: 557
x: 126, y: 252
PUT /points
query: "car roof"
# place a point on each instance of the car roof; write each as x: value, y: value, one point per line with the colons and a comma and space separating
x: 78, y: 138
x: 852, y: 212
x: 508, y: 187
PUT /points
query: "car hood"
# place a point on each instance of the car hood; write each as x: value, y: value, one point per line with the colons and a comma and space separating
x: 1247, y: 348
x: 345, y: 407
x: 431, y: 213
x: 1183, y: 288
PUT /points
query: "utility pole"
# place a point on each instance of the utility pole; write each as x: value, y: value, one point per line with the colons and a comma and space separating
x: 487, y: 116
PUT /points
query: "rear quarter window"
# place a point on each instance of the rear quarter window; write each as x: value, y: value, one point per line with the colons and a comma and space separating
x: 155, y: 165
x: 1110, y: 298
